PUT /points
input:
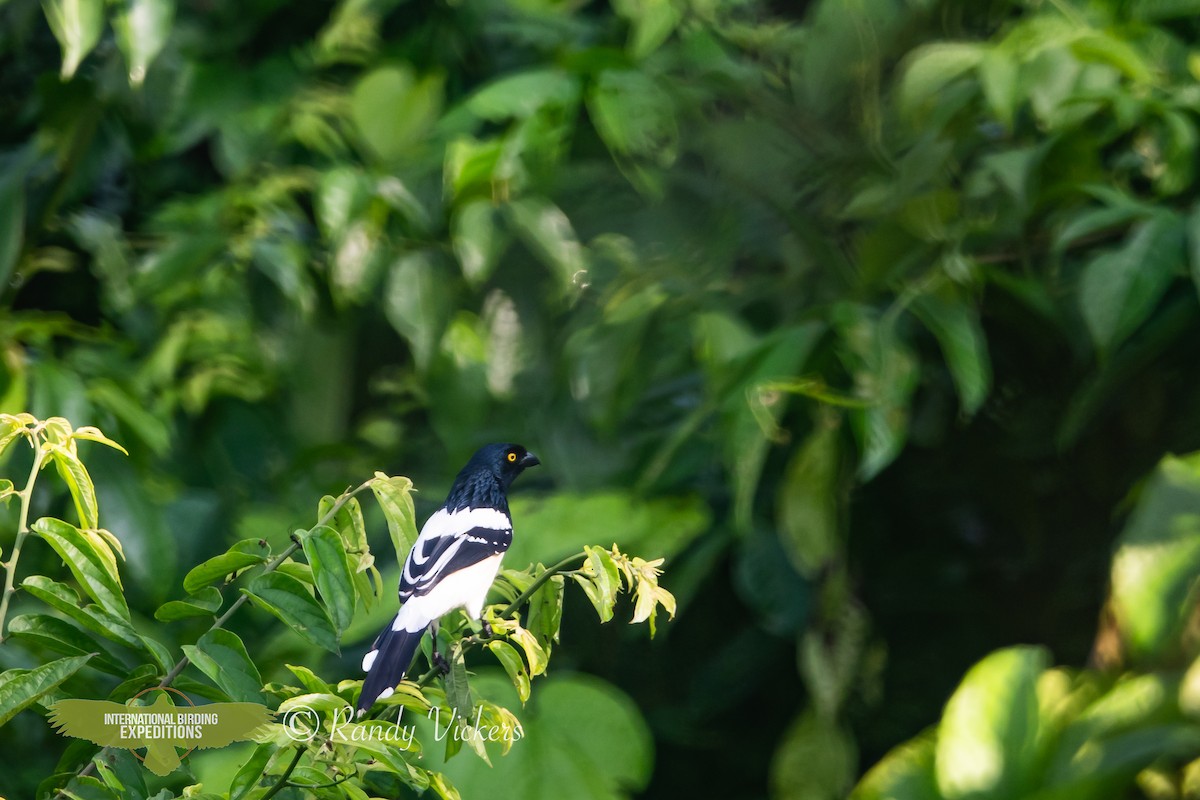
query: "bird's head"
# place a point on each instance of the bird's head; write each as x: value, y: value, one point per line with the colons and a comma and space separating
x: 505, y: 461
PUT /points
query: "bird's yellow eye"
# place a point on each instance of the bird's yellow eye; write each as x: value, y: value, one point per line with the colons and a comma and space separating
x: 512, y: 456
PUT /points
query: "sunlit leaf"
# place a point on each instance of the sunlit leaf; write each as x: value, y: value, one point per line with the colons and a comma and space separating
x: 77, y: 24
x: 986, y: 739
x: 395, y: 498
x: 86, y: 564
x: 142, y: 28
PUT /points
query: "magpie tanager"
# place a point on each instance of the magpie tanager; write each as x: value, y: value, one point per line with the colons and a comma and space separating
x: 451, y: 565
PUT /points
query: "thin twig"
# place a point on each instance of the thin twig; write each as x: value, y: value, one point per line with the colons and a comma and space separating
x: 10, y: 567
x: 287, y: 773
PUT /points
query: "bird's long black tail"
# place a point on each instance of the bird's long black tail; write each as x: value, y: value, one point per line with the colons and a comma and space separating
x: 386, y: 663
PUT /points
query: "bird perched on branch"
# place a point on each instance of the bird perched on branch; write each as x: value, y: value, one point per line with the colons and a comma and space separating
x: 451, y: 565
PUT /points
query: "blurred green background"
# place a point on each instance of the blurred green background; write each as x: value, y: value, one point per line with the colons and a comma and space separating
x: 873, y: 317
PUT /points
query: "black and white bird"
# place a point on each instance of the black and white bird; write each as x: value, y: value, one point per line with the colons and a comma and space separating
x: 451, y: 565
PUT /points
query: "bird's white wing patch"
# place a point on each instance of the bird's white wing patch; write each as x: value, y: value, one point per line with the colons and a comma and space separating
x: 454, y: 523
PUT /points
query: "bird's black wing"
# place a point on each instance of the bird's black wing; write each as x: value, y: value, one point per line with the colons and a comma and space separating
x: 433, y: 558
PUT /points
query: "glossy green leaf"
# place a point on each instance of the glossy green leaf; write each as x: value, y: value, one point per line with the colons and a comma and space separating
x: 76, y: 476
x: 331, y: 574
x: 222, y: 656
x: 19, y: 690
x: 77, y: 25
x: 57, y: 636
x: 287, y: 599
x: 63, y: 598
x: 986, y: 739
x: 251, y: 772
x: 243, y: 555
x: 204, y: 603
x: 87, y: 565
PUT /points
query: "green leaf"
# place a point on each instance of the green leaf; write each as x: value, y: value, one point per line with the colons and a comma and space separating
x: 955, y: 323
x: 88, y: 433
x: 458, y: 692
x: 394, y: 109
x: 600, y: 581
x: 816, y: 759
x: 416, y: 303
x: 222, y: 656
x: 287, y: 599
x: 986, y: 744
x: 514, y: 665
x: 63, y: 598
x: 535, y: 656
x: 651, y: 23
x: 19, y: 691
x: 930, y: 68
x: 1120, y: 288
x: 331, y: 573
x: 237, y: 558
x: 77, y: 25
x: 808, y: 501
x: 204, y: 603
x: 86, y: 563
x: 524, y: 94
x: 549, y: 234
x: 1157, y: 559
x: 634, y: 116
x: 476, y: 241
x: 252, y: 771
x: 309, y: 680
x: 58, y: 636
x: 76, y: 476
x: 142, y: 28
x: 905, y: 773
x: 395, y: 498
x: 545, y: 611
x: 874, y: 353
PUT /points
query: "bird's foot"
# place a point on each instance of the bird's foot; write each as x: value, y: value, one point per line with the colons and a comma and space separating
x: 440, y: 663
x: 485, y: 630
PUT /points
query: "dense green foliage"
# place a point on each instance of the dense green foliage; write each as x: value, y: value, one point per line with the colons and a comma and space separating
x: 868, y: 316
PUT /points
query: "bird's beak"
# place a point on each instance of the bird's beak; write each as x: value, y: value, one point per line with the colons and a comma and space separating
x: 530, y: 460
